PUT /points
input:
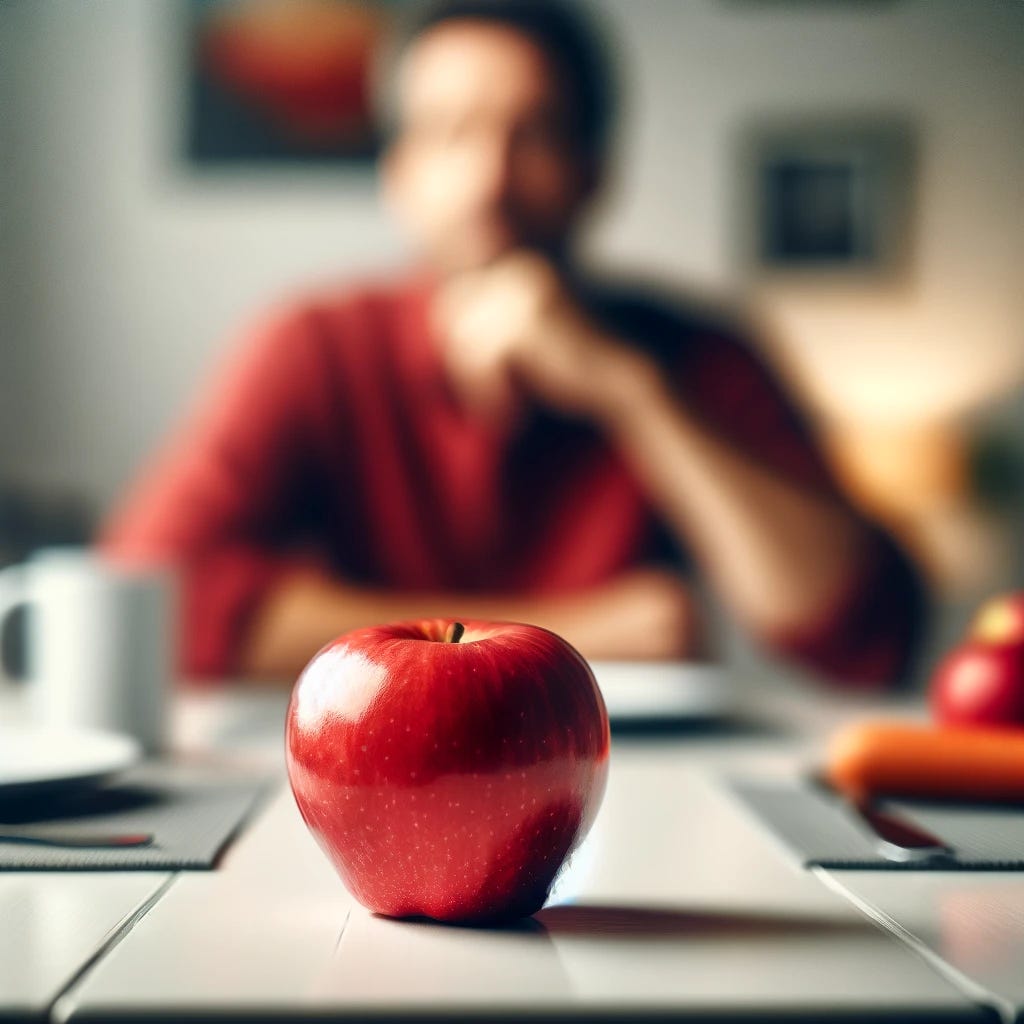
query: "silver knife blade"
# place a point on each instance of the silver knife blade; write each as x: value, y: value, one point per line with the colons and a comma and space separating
x: 898, y: 839
x: 894, y: 836
x: 79, y: 840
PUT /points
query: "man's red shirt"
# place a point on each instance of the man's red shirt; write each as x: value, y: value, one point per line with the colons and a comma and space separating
x: 332, y: 438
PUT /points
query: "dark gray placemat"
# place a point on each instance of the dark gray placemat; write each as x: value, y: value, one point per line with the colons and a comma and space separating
x: 192, y: 813
x: 820, y: 831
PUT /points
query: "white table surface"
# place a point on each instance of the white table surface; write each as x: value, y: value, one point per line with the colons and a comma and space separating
x: 52, y: 925
x: 971, y: 925
x: 678, y: 905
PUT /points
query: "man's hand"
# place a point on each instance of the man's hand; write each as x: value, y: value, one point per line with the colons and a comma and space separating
x: 513, y: 330
x: 644, y: 613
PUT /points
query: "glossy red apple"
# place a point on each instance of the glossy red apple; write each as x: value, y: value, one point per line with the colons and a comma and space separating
x: 980, y: 684
x: 448, y: 773
x: 1000, y: 620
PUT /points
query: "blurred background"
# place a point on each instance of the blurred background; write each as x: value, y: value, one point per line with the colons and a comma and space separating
x: 849, y: 172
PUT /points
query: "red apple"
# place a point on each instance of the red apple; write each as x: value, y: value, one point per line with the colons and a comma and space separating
x: 1000, y: 620
x: 448, y: 772
x: 980, y: 684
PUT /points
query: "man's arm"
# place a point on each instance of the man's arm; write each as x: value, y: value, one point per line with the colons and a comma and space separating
x: 778, y: 552
x: 644, y: 614
x: 795, y: 563
x: 212, y: 504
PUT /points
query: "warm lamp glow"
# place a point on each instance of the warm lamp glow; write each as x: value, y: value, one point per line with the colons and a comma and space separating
x: 900, y: 360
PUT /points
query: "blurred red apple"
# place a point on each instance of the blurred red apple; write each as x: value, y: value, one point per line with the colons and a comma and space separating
x: 1000, y: 620
x: 448, y: 771
x: 980, y: 684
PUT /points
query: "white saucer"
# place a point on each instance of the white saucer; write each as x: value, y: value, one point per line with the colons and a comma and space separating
x: 34, y: 758
x: 675, y: 691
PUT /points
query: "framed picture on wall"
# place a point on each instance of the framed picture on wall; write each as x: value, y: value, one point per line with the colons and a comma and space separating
x: 826, y: 195
x: 272, y: 82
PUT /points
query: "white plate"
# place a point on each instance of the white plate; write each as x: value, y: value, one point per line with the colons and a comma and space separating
x: 648, y: 691
x: 34, y: 758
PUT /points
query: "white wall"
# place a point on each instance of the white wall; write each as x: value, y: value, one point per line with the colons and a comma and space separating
x: 955, y: 68
x: 127, y: 269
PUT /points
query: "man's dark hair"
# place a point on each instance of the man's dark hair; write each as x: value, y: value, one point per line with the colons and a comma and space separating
x: 566, y: 37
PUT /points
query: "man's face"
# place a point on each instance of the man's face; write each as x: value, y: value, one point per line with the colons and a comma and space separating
x: 485, y: 161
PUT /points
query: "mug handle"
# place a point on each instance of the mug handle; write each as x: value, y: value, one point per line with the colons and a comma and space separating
x: 13, y: 594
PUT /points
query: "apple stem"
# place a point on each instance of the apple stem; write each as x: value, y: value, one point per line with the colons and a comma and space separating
x: 456, y: 634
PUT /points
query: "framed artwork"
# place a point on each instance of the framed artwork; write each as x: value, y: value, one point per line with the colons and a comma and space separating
x: 283, y: 81
x: 827, y: 195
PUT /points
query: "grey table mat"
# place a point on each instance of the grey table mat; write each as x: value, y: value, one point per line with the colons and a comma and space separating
x: 192, y: 813
x: 817, y: 829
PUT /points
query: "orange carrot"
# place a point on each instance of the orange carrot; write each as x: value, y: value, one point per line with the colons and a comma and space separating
x: 937, y: 762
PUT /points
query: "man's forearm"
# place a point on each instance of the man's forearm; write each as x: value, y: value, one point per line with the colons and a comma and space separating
x: 643, y: 614
x: 793, y: 563
x: 780, y: 554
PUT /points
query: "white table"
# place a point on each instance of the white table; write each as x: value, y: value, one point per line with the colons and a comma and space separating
x: 969, y: 925
x: 52, y: 926
x: 678, y: 906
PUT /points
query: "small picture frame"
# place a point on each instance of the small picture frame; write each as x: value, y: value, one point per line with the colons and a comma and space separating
x: 826, y: 195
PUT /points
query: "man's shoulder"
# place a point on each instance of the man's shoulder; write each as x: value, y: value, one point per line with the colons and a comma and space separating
x: 316, y: 330
x: 328, y: 317
x: 668, y: 321
x: 342, y: 299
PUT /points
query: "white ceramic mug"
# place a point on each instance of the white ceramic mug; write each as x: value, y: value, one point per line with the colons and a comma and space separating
x: 99, y: 642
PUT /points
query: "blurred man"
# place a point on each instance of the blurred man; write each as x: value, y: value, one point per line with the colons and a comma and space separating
x: 494, y: 436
